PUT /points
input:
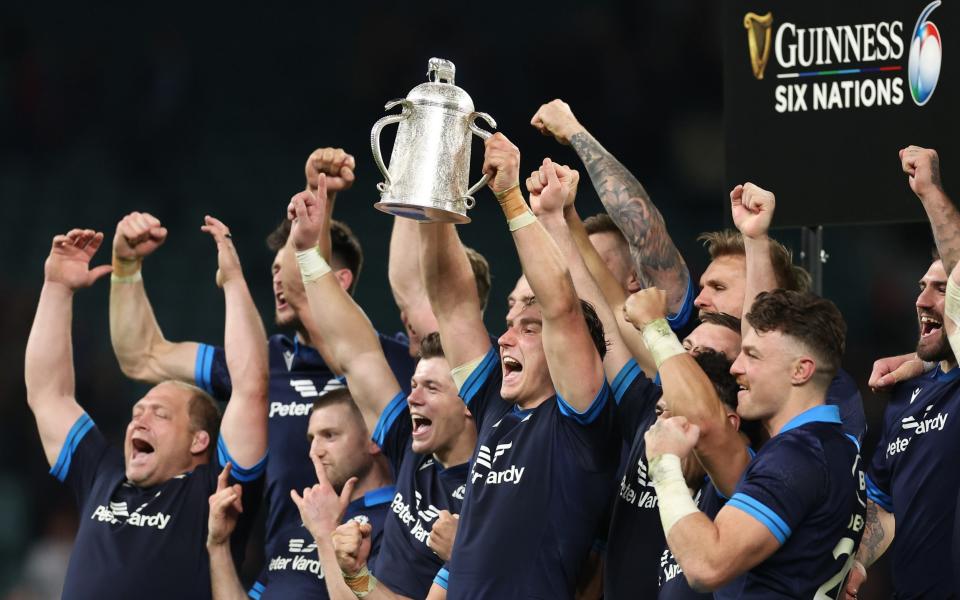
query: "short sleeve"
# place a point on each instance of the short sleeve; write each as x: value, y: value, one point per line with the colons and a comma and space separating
x: 782, y: 486
x: 635, y: 397
x: 259, y: 586
x: 879, y: 478
x: 80, y: 458
x: 481, y: 388
x: 238, y: 472
x: 393, y: 430
x: 681, y: 318
x: 844, y: 394
x: 443, y: 575
x: 210, y: 372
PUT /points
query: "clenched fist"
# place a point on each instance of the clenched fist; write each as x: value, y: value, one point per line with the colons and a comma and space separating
x: 922, y: 166
x: 752, y: 208
x: 336, y: 164
x: 555, y: 118
x: 138, y: 235
x: 501, y: 160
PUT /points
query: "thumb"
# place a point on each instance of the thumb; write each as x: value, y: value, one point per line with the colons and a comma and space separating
x: 552, y: 179
x: 297, y: 498
x: 300, y: 208
x: 322, y: 186
x: 347, y: 492
x: 98, y: 272
x: 366, y: 529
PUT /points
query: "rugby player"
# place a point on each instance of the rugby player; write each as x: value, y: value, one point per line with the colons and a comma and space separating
x: 144, y: 509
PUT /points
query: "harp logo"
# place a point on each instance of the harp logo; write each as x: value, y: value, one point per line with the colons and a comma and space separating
x: 926, y: 54
x: 758, y: 40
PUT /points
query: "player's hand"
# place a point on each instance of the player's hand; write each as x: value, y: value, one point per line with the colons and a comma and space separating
x: 225, y: 508
x: 752, y: 208
x: 138, y: 235
x: 922, y: 166
x: 675, y: 435
x: 306, y: 210
x: 553, y: 196
x: 69, y: 261
x: 321, y: 508
x: 645, y: 306
x: 891, y: 370
x: 501, y: 160
x: 855, y: 579
x: 555, y: 118
x: 228, y: 263
x: 351, y: 544
x: 337, y: 165
x: 443, y: 534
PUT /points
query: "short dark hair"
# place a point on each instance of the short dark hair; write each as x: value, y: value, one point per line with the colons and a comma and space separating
x: 340, y: 396
x: 728, y: 242
x: 347, y: 252
x: 814, y: 321
x: 717, y: 368
x: 602, y: 223
x: 430, y: 346
x: 481, y: 273
x: 723, y: 320
x: 595, y: 325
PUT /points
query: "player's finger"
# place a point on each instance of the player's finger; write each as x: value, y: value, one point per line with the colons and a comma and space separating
x: 347, y: 491
x: 98, y: 272
x: 224, y: 476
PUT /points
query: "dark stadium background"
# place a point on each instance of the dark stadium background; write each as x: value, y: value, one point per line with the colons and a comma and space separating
x: 186, y: 109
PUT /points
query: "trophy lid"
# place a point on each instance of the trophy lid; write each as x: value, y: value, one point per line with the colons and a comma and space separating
x: 440, y: 89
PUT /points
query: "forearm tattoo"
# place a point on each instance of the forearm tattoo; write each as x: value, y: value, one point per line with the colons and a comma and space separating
x: 655, y: 258
x: 872, y: 545
x: 945, y: 222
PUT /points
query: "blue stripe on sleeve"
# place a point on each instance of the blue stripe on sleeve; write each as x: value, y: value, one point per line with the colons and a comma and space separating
x: 479, y: 375
x: 593, y: 411
x: 201, y: 368
x: 762, y: 513
x: 442, y: 576
x: 256, y: 591
x: 624, y: 379
x: 387, y: 418
x: 682, y: 316
x: 880, y: 497
x: 241, y: 474
x: 80, y: 428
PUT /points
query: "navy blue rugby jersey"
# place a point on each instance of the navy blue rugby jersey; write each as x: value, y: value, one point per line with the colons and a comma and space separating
x: 297, y: 376
x: 914, y: 475
x: 806, y: 485
x: 844, y: 394
x: 635, y: 541
x: 539, y: 482
x: 682, y: 321
x: 407, y: 565
x: 293, y: 568
x: 143, y: 542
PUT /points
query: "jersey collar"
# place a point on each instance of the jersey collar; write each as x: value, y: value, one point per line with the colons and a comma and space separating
x: 374, y: 498
x: 824, y: 413
x: 939, y: 375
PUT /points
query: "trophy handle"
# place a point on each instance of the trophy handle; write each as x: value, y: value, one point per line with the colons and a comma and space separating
x: 468, y: 197
x: 375, y: 137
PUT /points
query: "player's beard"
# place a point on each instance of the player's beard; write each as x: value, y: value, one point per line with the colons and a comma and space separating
x: 936, y: 352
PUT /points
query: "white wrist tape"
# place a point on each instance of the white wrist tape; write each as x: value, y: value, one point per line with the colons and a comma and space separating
x: 661, y: 341
x: 952, y: 312
x: 126, y: 278
x: 521, y: 221
x: 673, y: 496
x: 312, y: 265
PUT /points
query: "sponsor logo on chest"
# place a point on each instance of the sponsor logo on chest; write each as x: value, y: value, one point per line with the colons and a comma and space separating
x: 414, y: 518
x: 116, y: 513
x: 914, y: 426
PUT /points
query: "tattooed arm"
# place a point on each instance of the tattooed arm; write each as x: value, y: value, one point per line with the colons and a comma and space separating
x: 877, y: 535
x: 922, y: 166
x: 655, y: 257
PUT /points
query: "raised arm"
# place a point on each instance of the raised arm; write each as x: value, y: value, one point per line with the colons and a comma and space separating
x: 403, y: 269
x: 548, y: 205
x: 655, y: 257
x: 689, y: 393
x: 752, y: 208
x: 346, y: 332
x: 573, y: 361
x: 142, y: 351
x: 244, y: 424
x: 922, y: 166
x: 48, y: 361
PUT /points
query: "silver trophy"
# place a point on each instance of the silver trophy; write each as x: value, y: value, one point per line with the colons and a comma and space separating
x: 430, y: 163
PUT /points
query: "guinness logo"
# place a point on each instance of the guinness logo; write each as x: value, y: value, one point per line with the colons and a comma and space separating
x: 758, y: 40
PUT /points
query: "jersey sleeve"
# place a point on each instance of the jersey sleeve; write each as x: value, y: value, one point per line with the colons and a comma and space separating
x: 393, y: 430
x: 238, y: 473
x: 879, y: 476
x: 591, y: 438
x: 443, y: 575
x: 782, y: 486
x: 635, y: 397
x: 260, y: 585
x: 681, y: 318
x: 210, y: 372
x: 84, y: 451
x: 844, y: 394
x: 481, y: 388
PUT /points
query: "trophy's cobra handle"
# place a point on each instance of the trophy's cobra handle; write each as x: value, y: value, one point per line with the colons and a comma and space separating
x: 468, y: 197
x: 375, y: 137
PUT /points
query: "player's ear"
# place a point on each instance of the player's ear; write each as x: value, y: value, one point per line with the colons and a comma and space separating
x: 200, y: 443
x: 734, y: 420
x: 345, y: 277
x: 802, y: 370
x: 372, y: 448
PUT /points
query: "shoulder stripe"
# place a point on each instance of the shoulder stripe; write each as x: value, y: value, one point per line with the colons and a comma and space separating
x: 238, y: 472
x: 624, y: 379
x: 853, y: 439
x: 379, y: 496
x: 479, y: 375
x: 442, y: 578
x: 682, y: 316
x: 593, y: 411
x: 387, y: 418
x: 80, y: 428
x: 880, y: 497
x: 256, y: 591
x: 762, y: 513
x: 201, y: 368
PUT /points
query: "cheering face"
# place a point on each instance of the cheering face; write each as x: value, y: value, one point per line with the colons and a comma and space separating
x: 933, y: 344
x: 338, y: 438
x: 439, y: 415
x: 763, y: 371
x: 722, y: 286
x: 526, y: 377
x: 616, y: 256
x: 708, y: 336
x: 160, y: 442
x: 286, y: 285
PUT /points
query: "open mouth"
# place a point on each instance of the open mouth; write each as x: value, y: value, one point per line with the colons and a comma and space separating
x: 511, y: 367
x: 421, y: 425
x: 141, y: 448
x: 929, y: 325
x: 280, y: 300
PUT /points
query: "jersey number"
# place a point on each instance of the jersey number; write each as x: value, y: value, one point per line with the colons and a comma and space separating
x: 843, y: 548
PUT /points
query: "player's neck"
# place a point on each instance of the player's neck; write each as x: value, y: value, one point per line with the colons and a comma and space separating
x: 377, y: 477
x: 461, y: 450
x: 801, y: 400
x: 948, y: 365
x: 538, y: 399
